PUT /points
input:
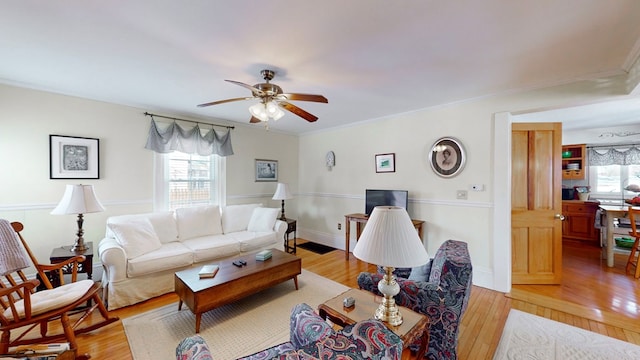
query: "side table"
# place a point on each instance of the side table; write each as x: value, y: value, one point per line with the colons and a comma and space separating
x: 414, y: 327
x: 63, y: 253
x: 291, y: 228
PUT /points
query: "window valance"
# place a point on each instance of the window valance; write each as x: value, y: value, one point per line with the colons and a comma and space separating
x: 190, y: 141
x: 619, y: 155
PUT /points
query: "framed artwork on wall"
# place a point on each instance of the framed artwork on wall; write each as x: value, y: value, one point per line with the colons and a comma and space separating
x: 266, y: 170
x: 447, y: 157
x: 385, y: 163
x: 72, y: 157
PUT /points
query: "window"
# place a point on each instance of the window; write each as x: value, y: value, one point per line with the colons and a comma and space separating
x: 607, y: 181
x: 188, y: 180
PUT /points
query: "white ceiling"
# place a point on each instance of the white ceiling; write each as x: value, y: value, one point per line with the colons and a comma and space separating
x: 370, y: 58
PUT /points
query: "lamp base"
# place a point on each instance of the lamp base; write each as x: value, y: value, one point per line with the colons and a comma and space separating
x: 79, y: 246
x: 388, y: 311
x: 282, y: 217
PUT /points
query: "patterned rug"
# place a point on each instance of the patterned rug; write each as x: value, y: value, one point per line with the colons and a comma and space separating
x: 531, y: 337
x: 242, y: 328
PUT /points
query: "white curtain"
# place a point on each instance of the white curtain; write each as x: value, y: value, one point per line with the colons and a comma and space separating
x: 619, y: 155
x: 190, y: 141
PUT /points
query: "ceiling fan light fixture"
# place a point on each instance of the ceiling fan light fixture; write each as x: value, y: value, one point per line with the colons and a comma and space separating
x: 267, y: 111
x: 278, y: 113
x: 259, y: 111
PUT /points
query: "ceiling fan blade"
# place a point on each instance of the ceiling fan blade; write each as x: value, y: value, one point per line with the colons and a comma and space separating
x: 306, y: 97
x: 296, y: 110
x: 224, y: 101
x: 254, y: 90
x: 254, y: 120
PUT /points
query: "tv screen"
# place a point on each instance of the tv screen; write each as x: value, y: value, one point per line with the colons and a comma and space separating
x: 375, y: 198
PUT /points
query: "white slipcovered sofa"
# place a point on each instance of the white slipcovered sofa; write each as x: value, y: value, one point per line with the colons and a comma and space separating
x: 141, y: 252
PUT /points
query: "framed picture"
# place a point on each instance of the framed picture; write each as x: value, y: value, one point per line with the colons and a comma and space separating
x: 447, y: 157
x: 266, y: 170
x: 72, y: 157
x: 385, y: 163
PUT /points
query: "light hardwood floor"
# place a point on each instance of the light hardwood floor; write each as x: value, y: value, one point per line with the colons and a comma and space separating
x: 592, y: 296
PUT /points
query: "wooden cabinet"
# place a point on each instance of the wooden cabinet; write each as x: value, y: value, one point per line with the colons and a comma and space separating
x: 579, y: 221
x: 573, y: 162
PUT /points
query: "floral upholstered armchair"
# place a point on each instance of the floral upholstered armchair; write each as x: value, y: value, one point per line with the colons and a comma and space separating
x: 313, y: 338
x: 440, y: 289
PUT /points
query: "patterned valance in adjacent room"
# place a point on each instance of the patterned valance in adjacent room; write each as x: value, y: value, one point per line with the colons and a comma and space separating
x: 614, y: 155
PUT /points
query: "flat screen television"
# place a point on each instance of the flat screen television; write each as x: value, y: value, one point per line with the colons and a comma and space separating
x: 375, y: 198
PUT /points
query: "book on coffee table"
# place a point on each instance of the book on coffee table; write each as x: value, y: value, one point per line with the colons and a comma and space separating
x: 263, y: 255
x: 208, y: 271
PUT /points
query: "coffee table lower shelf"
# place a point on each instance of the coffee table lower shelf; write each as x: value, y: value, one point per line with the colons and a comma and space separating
x: 414, y: 327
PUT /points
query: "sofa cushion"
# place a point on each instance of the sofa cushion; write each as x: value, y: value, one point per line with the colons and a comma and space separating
x: 198, y: 221
x: 211, y: 247
x: 164, y: 223
x: 236, y: 217
x: 170, y: 256
x: 249, y: 241
x: 263, y: 219
x: 136, y: 236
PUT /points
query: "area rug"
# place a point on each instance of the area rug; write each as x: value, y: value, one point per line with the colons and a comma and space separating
x: 531, y: 337
x: 316, y: 248
x: 231, y: 331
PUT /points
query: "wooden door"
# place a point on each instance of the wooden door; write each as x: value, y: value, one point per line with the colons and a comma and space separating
x: 536, y: 203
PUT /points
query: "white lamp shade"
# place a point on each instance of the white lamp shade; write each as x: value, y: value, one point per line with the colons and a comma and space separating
x: 282, y: 192
x: 390, y: 239
x: 78, y: 199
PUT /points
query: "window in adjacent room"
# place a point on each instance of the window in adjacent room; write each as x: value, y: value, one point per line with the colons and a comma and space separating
x: 184, y: 180
x: 607, y: 181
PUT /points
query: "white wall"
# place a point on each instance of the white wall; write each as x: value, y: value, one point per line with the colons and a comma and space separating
x: 326, y: 196
x: 28, y: 117
x: 322, y: 197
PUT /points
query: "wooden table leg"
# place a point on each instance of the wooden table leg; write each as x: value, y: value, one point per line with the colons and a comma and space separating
x: 198, y: 318
x: 347, y: 231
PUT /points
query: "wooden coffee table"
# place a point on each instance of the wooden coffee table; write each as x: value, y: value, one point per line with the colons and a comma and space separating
x: 414, y: 326
x: 232, y: 283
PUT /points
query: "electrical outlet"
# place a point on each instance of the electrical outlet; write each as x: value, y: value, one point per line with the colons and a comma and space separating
x: 461, y: 194
x: 339, y: 226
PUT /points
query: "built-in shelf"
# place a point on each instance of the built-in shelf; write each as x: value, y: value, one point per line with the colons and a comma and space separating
x: 576, y: 158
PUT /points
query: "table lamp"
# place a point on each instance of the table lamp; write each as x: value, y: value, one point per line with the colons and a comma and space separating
x: 78, y: 199
x: 390, y: 240
x: 282, y: 193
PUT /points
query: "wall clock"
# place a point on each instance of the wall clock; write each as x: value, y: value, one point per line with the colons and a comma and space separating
x: 330, y: 159
x: 447, y: 157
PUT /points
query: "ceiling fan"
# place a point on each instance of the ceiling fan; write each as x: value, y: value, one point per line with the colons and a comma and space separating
x: 272, y: 99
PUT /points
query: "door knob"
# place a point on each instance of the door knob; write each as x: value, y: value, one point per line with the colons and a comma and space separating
x: 559, y: 217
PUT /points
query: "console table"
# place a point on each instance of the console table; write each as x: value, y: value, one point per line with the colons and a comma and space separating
x: 361, y: 219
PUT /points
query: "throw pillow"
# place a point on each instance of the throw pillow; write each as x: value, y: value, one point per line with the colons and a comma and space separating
x: 236, y: 217
x: 421, y: 273
x: 263, y: 219
x: 198, y: 221
x: 137, y: 237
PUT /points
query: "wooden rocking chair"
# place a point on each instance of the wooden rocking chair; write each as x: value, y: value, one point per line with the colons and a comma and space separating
x: 27, y: 313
